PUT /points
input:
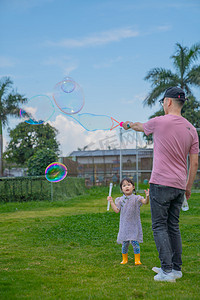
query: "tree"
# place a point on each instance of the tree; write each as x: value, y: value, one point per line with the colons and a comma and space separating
x: 27, y: 139
x: 187, y: 74
x: 10, y: 102
x: 39, y: 161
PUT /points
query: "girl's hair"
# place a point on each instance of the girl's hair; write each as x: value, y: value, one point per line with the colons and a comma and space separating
x: 128, y: 180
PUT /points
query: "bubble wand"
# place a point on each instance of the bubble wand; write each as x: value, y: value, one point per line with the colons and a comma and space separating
x: 69, y: 98
x: 110, y: 191
x: 92, y: 122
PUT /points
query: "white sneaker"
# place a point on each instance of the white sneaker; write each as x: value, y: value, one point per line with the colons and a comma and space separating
x: 162, y: 276
x: 156, y: 269
x: 177, y: 274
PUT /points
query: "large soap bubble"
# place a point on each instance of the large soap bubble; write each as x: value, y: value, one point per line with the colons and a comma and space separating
x: 68, y: 96
x: 38, y: 110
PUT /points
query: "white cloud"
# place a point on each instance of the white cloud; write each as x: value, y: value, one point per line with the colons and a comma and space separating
x: 31, y: 111
x: 72, y: 136
x: 102, y: 38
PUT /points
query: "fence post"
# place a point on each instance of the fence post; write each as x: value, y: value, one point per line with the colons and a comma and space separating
x: 51, y: 191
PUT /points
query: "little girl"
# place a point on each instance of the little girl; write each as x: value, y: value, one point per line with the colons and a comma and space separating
x: 130, y: 227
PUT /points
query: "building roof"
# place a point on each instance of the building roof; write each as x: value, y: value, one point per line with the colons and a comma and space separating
x: 115, y: 152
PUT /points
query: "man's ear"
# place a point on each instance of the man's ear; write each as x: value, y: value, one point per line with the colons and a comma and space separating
x: 169, y: 102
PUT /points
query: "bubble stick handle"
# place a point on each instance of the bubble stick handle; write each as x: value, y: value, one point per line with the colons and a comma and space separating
x: 110, y: 191
x: 128, y: 125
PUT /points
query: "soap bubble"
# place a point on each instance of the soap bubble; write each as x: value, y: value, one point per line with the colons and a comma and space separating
x: 38, y: 110
x: 55, y: 172
x: 68, y: 96
x: 68, y: 85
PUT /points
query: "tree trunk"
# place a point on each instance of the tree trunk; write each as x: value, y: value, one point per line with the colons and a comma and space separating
x: 1, y: 149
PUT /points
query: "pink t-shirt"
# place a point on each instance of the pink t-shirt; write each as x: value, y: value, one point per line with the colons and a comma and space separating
x: 174, y: 137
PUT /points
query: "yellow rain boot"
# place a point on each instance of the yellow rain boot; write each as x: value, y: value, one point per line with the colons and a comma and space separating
x: 137, y: 259
x: 125, y: 259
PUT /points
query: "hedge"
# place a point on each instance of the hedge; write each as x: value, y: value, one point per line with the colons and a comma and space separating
x: 37, y: 188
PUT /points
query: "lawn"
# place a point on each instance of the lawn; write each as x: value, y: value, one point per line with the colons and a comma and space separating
x: 68, y: 250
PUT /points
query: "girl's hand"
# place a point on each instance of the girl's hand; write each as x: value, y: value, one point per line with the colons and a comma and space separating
x: 147, y: 192
x: 146, y: 201
x: 110, y: 199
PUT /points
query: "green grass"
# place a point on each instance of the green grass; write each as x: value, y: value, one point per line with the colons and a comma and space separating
x: 68, y: 250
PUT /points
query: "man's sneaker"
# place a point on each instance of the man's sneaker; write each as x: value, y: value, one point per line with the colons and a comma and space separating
x: 163, y: 276
x: 177, y: 274
x: 156, y: 270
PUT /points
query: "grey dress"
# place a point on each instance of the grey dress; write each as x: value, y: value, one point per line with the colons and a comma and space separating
x: 130, y: 227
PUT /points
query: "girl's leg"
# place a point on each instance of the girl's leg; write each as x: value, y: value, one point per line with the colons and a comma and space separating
x: 136, y: 249
x: 125, y: 245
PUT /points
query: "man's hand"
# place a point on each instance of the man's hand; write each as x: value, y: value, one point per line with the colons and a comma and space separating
x: 187, y: 193
x: 137, y: 126
x: 126, y: 125
x: 192, y: 173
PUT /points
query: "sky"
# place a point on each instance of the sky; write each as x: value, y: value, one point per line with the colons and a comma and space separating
x: 106, y: 46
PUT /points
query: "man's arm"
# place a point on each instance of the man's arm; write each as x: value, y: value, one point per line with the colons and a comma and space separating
x: 192, y: 173
x: 137, y: 126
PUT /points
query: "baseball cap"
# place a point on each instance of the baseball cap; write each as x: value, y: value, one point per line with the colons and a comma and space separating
x: 174, y: 92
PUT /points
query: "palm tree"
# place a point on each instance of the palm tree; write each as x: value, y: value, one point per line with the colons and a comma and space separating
x: 187, y: 74
x: 9, y: 106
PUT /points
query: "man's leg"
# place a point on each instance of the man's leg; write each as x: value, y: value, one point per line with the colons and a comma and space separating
x: 160, y: 198
x: 173, y: 229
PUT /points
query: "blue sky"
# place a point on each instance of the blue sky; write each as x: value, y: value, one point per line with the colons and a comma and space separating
x: 107, y: 46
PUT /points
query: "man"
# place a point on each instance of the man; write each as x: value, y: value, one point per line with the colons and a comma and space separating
x: 174, y: 138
